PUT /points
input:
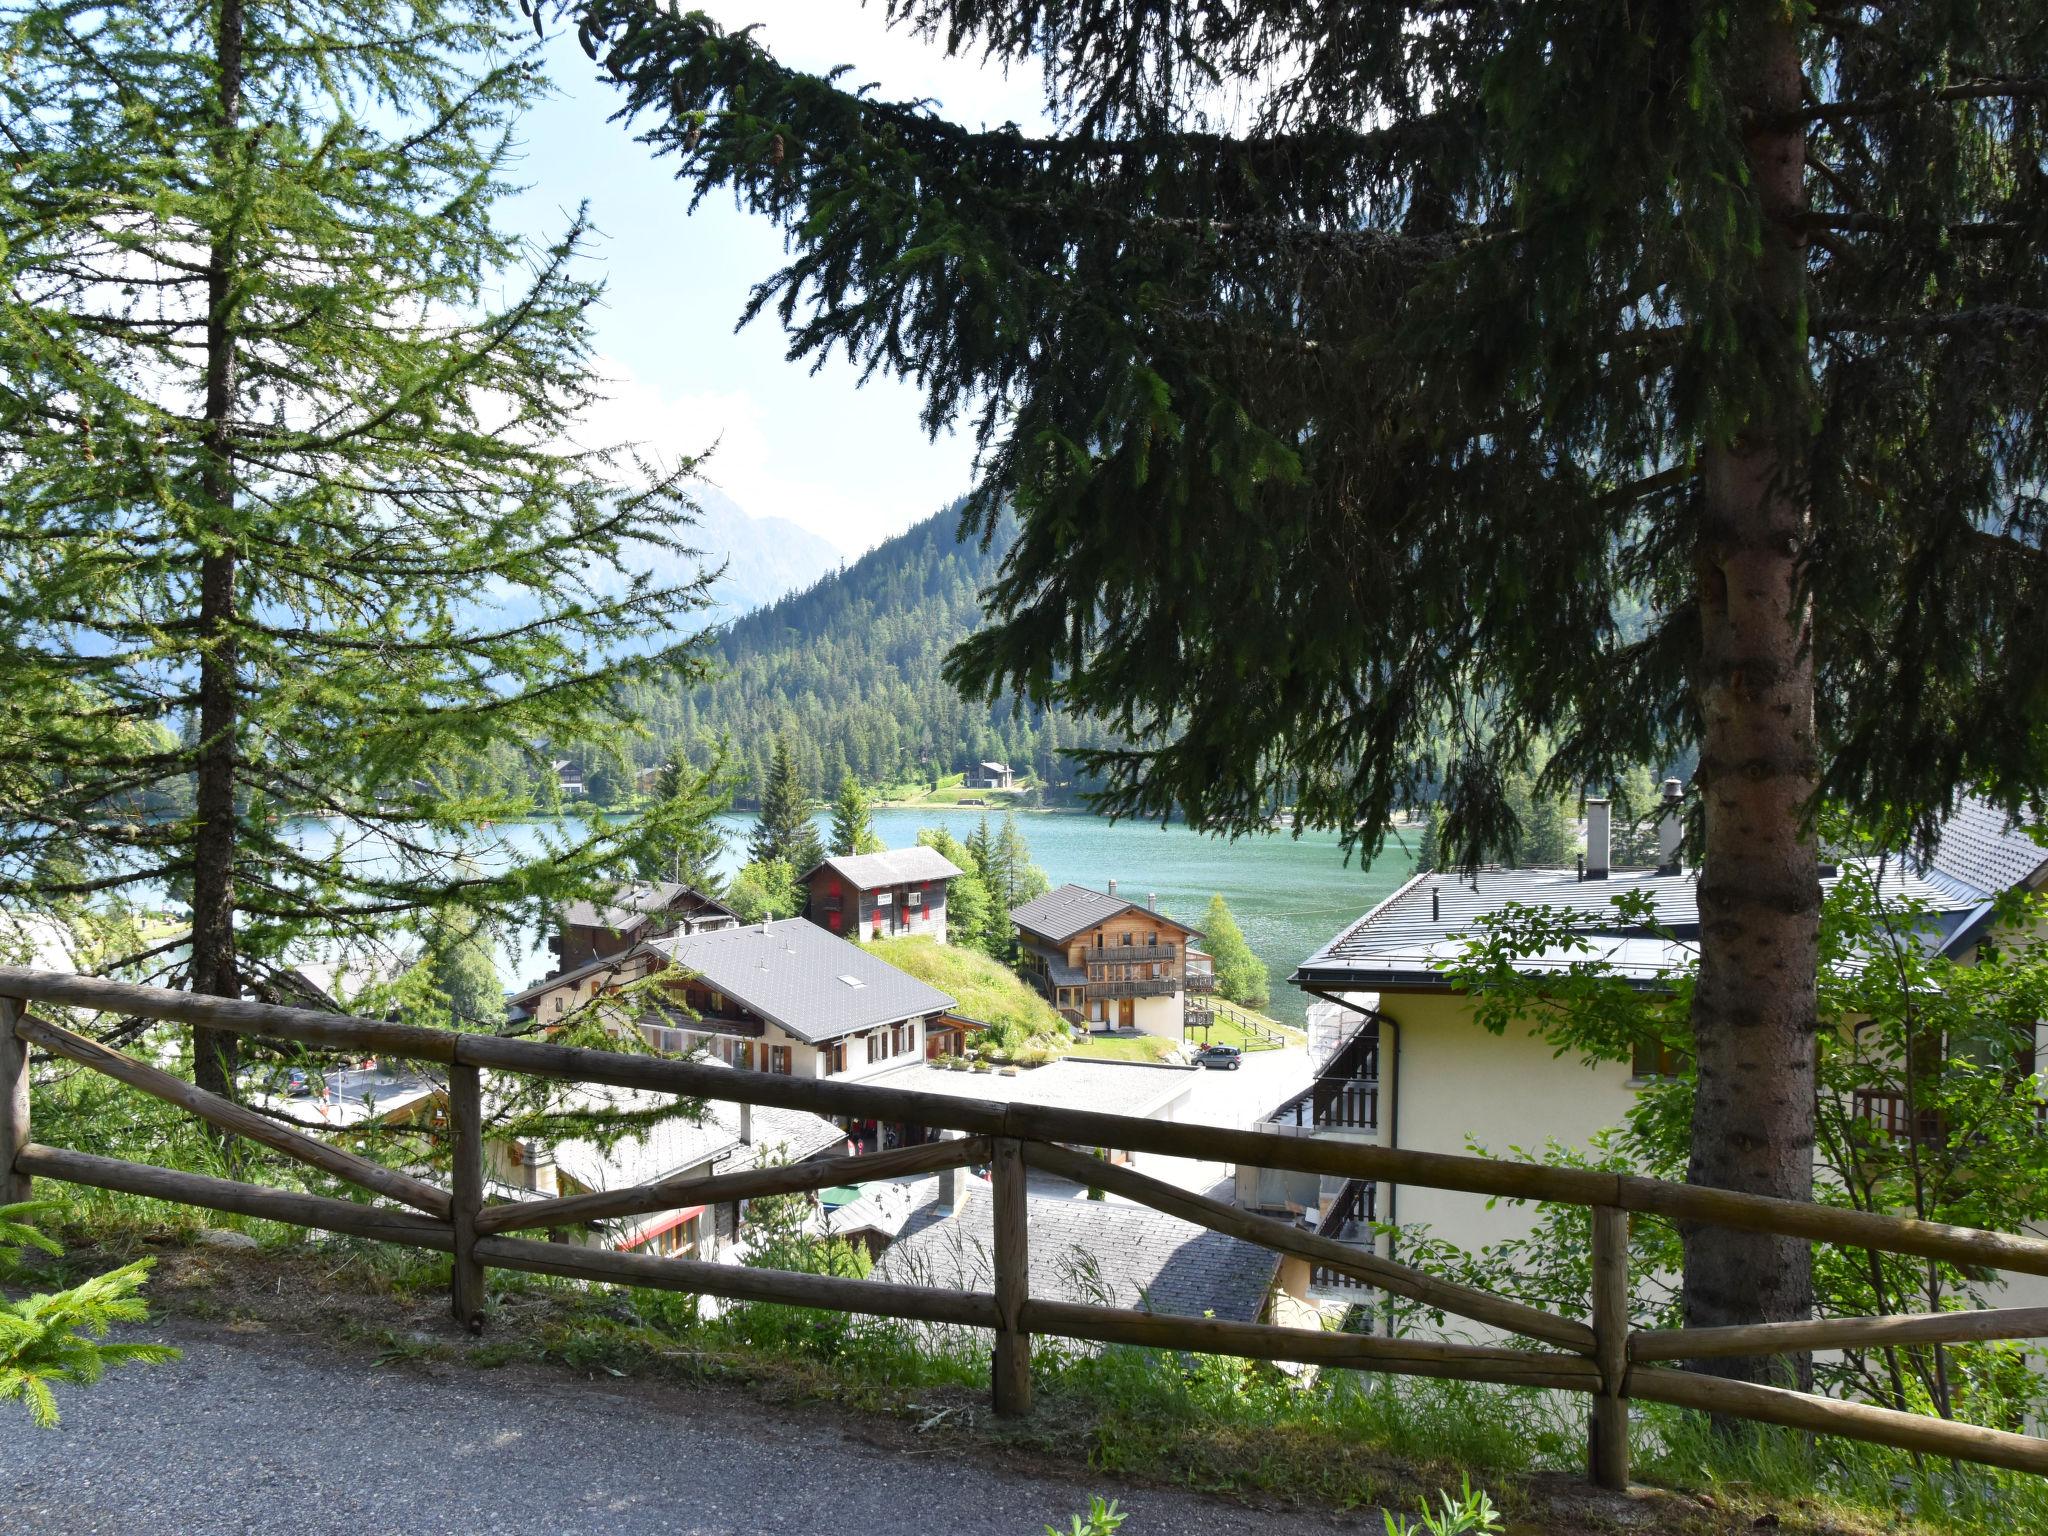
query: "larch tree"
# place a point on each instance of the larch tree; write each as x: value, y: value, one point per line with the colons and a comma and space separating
x: 295, y: 533
x: 1241, y: 975
x: 1363, y: 378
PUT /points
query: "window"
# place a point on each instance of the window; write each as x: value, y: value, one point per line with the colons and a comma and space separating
x: 1892, y: 1114
x: 1654, y: 1060
x: 835, y: 1057
x: 558, y: 1002
x: 914, y: 899
x: 778, y: 1059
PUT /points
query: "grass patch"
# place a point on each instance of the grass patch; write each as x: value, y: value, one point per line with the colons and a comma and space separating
x: 1124, y: 1048
x: 984, y: 989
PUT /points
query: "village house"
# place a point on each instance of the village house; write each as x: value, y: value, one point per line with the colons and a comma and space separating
x: 784, y: 997
x: 1402, y: 1061
x: 1107, y: 963
x: 594, y: 930
x: 989, y: 776
x: 881, y: 895
x: 727, y: 1138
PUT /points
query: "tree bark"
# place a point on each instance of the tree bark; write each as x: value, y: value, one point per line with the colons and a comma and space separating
x: 214, y: 968
x: 1759, y: 893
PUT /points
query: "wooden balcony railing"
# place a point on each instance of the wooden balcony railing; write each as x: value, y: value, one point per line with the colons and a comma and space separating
x: 1160, y: 986
x: 1605, y: 1358
x: 1349, y: 1220
x: 1122, y: 952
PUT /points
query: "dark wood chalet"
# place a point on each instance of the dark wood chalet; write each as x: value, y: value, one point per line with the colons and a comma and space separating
x: 881, y: 895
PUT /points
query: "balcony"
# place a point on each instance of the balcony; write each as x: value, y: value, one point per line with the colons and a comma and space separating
x: 1348, y: 1221
x: 1162, y: 986
x: 1201, y: 981
x: 1347, y: 1095
x: 1121, y: 952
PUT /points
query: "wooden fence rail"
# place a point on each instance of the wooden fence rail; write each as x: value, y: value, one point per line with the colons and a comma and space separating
x: 1604, y: 1358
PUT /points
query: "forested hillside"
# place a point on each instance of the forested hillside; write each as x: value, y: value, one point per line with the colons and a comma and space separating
x: 850, y: 669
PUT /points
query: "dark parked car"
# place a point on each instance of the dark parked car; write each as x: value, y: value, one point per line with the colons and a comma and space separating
x: 1220, y: 1057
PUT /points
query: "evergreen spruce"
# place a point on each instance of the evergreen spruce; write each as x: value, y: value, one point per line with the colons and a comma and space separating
x: 684, y: 839
x: 1241, y: 975
x: 853, y: 823
x: 289, y: 539
x: 784, y: 831
x: 1636, y: 377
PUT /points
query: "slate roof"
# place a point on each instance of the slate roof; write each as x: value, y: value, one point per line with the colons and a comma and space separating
x: 1134, y: 1088
x: 1096, y: 1251
x: 795, y: 974
x: 631, y: 905
x: 1405, y: 939
x: 892, y: 866
x: 1985, y: 854
x: 1059, y: 915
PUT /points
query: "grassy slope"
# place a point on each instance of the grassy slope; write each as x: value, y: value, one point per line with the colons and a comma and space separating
x: 981, y: 987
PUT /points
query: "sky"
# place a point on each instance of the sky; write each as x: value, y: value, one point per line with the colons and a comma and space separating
x: 849, y: 462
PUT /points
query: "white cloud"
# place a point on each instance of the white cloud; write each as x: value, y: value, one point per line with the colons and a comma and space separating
x: 773, y: 466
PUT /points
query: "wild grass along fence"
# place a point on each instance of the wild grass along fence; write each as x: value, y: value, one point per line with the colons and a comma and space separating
x: 1605, y: 1359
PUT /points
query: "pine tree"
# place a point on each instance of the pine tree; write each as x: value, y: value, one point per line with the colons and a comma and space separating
x: 1241, y: 975
x: 853, y: 824
x: 290, y: 538
x: 459, y: 984
x: 784, y: 831
x: 684, y: 840
x: 1480, y: 331
x: 1021, y: 880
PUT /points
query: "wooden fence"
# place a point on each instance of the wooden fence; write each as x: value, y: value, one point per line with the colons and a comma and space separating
x: 1604, y: 1359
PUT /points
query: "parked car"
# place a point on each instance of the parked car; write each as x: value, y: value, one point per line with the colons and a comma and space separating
x: 1220, y: 1058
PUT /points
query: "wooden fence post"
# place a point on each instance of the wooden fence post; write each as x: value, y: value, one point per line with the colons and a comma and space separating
x: 1012, y: 1367
x: 1607, y: 1429
x: 466, y: 1130
x: 14, y: 1185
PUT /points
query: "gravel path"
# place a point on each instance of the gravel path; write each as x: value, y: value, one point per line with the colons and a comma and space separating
x: 253, y: 1432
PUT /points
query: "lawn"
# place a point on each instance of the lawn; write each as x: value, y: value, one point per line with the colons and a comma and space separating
x: 982, y: 988
x: 1227, y: 1031
x: 1124, y: 1048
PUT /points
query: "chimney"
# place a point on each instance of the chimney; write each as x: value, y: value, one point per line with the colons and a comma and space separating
x: 1152, y: 901
x: 1112, y: 887
x: 1599, y: 838
x: 1671, y: 826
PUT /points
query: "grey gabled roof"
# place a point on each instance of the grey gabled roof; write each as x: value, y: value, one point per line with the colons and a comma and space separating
x: 795, y: 974
x: 1059, y: 915
x: 1985, y: 853
x: 1406, y: 939
x: 892, y: 866
x: 630, y: 905
x: 1103, y: 1252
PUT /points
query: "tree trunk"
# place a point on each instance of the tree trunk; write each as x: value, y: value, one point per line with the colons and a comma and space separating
x: 214, y: 969
x: 1759, y: 893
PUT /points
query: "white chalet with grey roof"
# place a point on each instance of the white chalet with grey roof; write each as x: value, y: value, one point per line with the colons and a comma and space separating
x: 783, y: 997
x: 881, y: 895
x: 1414, y: 1069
